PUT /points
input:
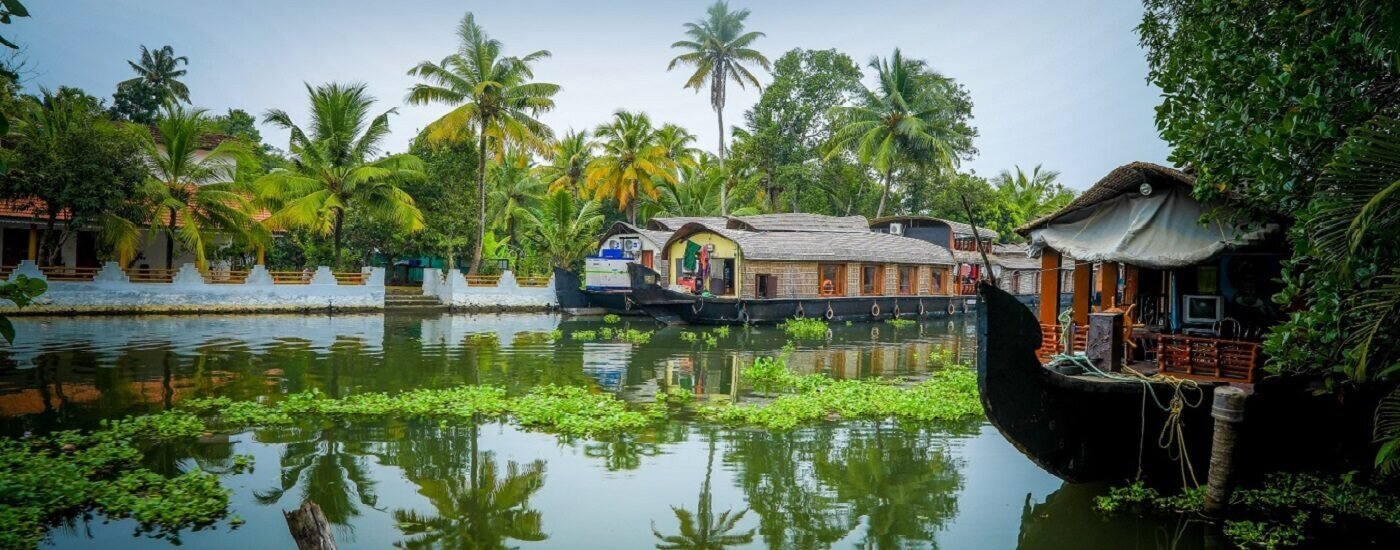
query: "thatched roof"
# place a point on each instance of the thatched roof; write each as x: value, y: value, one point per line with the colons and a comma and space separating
x: 1122, y: 180
x: 1014, y: 256
x: 672, y: 224
x: 657, y: 238
x: 800, y: 222
x: 825, y: 246
x: 959, y: 229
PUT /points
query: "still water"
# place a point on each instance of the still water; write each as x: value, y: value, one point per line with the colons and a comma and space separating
x: 424, y: 485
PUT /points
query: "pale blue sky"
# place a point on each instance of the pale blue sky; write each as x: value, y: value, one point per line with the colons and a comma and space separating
x: 1056, y: 83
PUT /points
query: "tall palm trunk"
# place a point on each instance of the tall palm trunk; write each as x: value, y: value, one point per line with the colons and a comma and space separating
x: 717, y: 97
x: 339, y: 224
x: 889, y: 182
x: 480, y: 202
x: 170, y: 242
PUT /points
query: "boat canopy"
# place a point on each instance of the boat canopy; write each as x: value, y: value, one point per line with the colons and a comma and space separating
x: 1142, y: 214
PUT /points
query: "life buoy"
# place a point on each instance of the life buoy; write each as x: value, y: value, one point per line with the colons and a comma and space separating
x: 744, y: 316
x: 800, y: 314
x: 697, y: 305
x: 922, y: 310
x: 874, y: 309
x: 896, y: 309
x: 952, y: 308
x: 829, y: 313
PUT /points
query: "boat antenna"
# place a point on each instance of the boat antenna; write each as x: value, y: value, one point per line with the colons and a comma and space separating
x: 978, y: 238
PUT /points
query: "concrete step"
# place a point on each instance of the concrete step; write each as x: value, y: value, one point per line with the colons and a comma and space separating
x: 403, y: 290
x: 409, y: 298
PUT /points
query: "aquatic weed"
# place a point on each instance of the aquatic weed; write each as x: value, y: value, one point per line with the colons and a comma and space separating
x: 611, y: 319
x: 899, y: 323
x: 688, y: 337
x: 946, y: 395
x: 940, y: 357
x: 805, y: 329
x: 722, y: 331
x: 583, y: 335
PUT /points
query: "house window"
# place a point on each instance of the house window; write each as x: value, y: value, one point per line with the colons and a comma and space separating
x: 832, y: 280
x: 766, y: 286
x: 908, y: 279
x: 937, y: 287
x: 872, y: 279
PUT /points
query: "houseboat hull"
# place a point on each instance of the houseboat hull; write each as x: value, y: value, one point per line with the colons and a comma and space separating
x: 1078, y: 428
x: 671, y: 307
x: 576, y: 300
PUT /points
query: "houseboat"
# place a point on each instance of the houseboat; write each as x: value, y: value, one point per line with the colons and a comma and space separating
x: 605, y: 285
x: 773, y: 267
x: 1164, y: 309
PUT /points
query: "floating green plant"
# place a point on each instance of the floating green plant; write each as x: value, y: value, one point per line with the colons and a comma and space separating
x: 940, y: 357
x: 721, y: 331
x: 528, y: 338
x: 611, y: 319
x: 899, y: 323
x: 689, y: 337
x: 634, y: 336
x: 805, y: 329
x: 947, y: 395
x: 584, y: 335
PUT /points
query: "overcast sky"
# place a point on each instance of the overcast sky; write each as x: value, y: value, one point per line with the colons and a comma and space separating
x: 1057, y: 83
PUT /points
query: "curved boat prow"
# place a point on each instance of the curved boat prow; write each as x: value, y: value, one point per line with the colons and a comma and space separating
x: 1078, y: 428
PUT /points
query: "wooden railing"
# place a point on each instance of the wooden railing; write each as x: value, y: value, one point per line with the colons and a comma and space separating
x: 349, y: 277
x: 1208, y: 359
x: 225, y: 276
x: 967, y: 289
x: 151, y: 275
x: 1050, y: 343
x: 65, y: 273
x: 483, y: 280
x: 537, y: 282
x: 60, y: 273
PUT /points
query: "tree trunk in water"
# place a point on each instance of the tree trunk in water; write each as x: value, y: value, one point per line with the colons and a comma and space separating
x: 49, y: 243
x: 723, y: 182
x: 309, y: 527
x: 170, y: 242
x: 480, y: 203
x: 889, y: 181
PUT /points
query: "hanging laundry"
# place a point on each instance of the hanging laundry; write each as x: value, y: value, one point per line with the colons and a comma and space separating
x: 692, y: 253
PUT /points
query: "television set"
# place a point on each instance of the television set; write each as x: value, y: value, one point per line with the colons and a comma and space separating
x: 1202, y: 310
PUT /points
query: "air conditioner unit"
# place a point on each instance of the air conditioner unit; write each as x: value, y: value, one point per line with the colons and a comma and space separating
x: 896, y: 228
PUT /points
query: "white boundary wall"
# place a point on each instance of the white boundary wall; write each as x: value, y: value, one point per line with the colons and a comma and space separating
x: 452, y: 289
x: 111, y: 291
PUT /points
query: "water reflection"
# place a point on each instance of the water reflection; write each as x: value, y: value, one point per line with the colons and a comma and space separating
x: 702, y: 529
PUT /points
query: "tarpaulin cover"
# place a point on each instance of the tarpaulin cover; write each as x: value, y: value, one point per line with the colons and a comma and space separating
x: 1160, y: 231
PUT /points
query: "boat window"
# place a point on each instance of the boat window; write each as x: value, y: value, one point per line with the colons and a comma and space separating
x: 766, y: 286
x: 908, y: 279
x: 833, y: 280
x: 872, y: 279
x: 937, y: 287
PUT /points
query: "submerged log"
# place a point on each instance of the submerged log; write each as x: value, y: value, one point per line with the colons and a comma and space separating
x: 309, y: 527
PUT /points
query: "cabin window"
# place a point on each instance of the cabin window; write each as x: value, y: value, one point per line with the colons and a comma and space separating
x: 908, y: 279
x: 766, y: 286
x: 872, y: 279
x: 832, y: 281
x: 937, y: 287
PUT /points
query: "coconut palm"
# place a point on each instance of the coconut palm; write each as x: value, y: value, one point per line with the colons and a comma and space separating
x: 718, y: 49
x: 333, y: 172
x: 679, y: 144
x: 630, y: 162
x: 567, y: 162
x: 695, y: 193
x: 1031, y: 195
x: 191, y: 195
x: 906, y: 118
x: 160, y: 70
x: 514, y: 189
x: 564, y: 229
x: 494, y: 98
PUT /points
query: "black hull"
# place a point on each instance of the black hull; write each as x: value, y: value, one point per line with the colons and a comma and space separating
x: 573, y: 299
x: 1079, y: 429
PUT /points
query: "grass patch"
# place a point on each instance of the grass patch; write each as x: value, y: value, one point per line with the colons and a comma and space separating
x: 947, y: 395
x: 1279, y: 513
x: 900, y: 323
x: 805, y: 329
x: 612, y: 319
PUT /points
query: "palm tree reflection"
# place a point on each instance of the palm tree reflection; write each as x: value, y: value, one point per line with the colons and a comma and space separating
x: 703, y: 530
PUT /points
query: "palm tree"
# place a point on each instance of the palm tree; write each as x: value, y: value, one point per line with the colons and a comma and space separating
x: 514, y: 189
x: 1031, y: 195
x: 695, y: 193
x: 631, y: 161
x: 718, y: 48
x: 494, y: 98
x: 333, y: 172
x: 679, y: 144
x: 192, y: 194
x: 567, y: 162
x: 160, y: 70
x: 564, y: 229
x: 906, y: 118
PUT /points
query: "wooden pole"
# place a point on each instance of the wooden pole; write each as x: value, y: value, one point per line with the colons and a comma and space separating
x: 1130, y: 285
x: 309, y: 527
x: 1049, y: 287
x: 33, y: 243
x: 1108, y: 286
x: 1228, y: 411
x: 1083, y: 286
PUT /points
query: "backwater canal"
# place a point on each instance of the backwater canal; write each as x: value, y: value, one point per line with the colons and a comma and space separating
x: 425, y: 484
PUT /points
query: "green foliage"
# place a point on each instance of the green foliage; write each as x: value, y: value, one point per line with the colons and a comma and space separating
x: 630, y: 163
x: 584, y: 335
x: 611, y: 319
x: 941, y: 357
x: 634, y: 336
x: 947, y: 395
x: 20, y: 292
x: 900, y: 323
x: 573, y: 411
x: 721, y: 331
x: 769, y: 374
x: 1276, y: 514
x: 806, y: 329
x: 676, y: 395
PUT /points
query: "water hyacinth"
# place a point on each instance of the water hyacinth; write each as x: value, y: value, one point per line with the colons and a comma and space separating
x: 947, y: 395
x: 805, y: 329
